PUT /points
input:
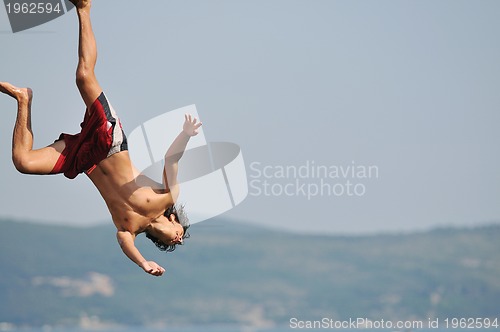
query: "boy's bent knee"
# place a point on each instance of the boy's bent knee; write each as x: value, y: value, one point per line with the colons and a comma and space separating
x: 24, y: 164
x: 84, y: 77
x: 87, y: 85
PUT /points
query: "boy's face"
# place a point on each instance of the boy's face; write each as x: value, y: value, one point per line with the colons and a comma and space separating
x: 173, y: 232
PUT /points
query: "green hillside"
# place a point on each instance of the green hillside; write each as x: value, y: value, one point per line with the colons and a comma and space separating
x: 230, y: 273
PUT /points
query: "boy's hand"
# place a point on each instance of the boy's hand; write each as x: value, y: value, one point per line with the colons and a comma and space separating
x: 191, y: 125
x: 152, y: 268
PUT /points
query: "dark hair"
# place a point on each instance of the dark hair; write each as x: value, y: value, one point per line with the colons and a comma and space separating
x: 181, y: 217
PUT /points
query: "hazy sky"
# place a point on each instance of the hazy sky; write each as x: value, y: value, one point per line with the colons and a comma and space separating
x: 407, y: 87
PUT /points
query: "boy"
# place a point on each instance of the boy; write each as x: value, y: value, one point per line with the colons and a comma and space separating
x: 100, y: 150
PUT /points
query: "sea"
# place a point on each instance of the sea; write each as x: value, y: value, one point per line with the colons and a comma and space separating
x: 233, y: 329
x: 143, y: 329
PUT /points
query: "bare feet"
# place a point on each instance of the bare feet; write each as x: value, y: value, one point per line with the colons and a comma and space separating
x: 20, y: 94
x: 81, y: 3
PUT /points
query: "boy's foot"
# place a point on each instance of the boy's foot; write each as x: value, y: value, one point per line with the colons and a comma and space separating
x: 80, y: 3
x: 20, y: 94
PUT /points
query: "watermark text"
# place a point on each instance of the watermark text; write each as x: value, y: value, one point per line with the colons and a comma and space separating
x: 310, y: 179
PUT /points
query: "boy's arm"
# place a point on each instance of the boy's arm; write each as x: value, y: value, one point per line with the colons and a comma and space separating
x: 126, y: 241
x: 175, y: 152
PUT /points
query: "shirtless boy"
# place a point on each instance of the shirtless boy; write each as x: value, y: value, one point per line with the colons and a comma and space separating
x: 100, y: 150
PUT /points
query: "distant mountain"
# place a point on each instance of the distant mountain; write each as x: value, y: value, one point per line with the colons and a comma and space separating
x: 234, y: 274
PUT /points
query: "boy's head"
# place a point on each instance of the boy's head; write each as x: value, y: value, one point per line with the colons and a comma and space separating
x: 173, y: 229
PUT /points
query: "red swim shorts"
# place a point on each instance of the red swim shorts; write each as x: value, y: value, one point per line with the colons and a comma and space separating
x: 100, y: 137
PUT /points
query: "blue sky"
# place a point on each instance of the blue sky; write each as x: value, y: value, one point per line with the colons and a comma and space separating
x: 408, y: 86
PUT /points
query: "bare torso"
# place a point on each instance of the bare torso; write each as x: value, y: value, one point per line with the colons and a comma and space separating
x: 133, y: 207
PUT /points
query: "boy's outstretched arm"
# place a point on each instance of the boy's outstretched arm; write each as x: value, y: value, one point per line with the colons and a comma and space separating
x: 126, y: 241
x: 175, y: 152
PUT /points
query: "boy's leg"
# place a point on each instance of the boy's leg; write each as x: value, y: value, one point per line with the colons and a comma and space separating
x: 26, y: 159
x: 42, y: 161
x: 87, y: 55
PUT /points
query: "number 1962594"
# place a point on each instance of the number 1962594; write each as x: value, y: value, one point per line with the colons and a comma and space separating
x: 33, y: 8
x: 471, y: 323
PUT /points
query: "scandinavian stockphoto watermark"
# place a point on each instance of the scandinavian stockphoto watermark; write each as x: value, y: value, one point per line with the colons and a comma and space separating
x: 26, y: 14
x: 398, y: 325
x: 311, y: 179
